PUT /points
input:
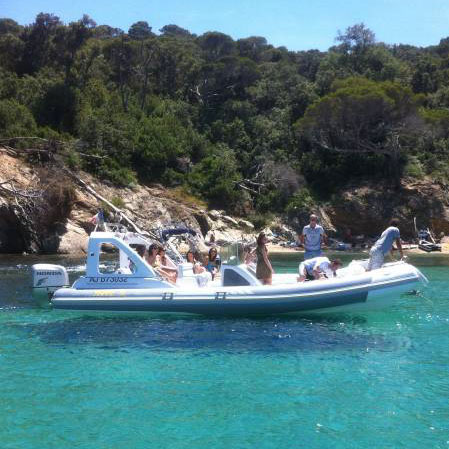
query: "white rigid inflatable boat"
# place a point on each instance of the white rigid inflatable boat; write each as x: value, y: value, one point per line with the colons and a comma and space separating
x: 237, y: 291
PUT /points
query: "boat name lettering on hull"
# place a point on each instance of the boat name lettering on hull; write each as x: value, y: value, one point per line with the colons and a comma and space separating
x: 107, y: 280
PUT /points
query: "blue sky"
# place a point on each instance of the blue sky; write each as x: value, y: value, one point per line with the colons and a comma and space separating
x: 295, y: 24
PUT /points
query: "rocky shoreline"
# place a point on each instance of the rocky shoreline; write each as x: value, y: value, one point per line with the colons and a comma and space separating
x: 23, y: 228
x: 57, y: 219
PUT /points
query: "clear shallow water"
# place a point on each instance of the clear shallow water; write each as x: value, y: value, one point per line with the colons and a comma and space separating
x: 361, y: 381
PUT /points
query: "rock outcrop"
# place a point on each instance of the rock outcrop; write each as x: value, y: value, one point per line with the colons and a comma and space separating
x: 57, y: 220
x: 367, y: 208
x: 49, y: 224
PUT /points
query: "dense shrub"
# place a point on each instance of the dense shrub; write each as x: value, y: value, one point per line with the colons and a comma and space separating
x: 16, y: 120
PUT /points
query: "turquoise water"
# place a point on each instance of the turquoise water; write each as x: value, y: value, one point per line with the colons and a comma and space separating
x: 362, y: 381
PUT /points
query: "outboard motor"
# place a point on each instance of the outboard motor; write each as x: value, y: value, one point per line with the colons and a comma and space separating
x: 47, y: 278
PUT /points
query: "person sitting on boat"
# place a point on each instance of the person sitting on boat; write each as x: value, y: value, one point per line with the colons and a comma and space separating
x: 165, y: 266
x: 152, y: 253
x: 384, y: 245
x: 202, y: 276
x: 249, y: 255
x: 154, y: 261
x: 212, y: 264
x: 197, y: 268
x: 312, y: 237
x: 140, y: 250
x: 318, y: 268
x: 264, y: 269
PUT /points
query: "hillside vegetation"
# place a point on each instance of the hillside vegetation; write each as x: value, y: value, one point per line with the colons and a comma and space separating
x: 248, y: 127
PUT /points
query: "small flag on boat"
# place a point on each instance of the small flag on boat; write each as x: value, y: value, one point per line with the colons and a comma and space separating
x: 97, y: 218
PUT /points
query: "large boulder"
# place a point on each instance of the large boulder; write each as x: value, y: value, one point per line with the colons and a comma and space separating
x: 214, y: 214
x: 74, y: 240
x: 245, y: 224
x: 230, y: 220
x: 204, y: 222
x: 367, y: 209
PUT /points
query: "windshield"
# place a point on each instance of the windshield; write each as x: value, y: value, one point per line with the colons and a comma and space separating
x: 232, y: 254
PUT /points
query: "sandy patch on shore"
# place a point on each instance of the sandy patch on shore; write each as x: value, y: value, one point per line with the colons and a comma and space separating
x: 444, y: 250
x: 273, y: 248
x: 278, y: 249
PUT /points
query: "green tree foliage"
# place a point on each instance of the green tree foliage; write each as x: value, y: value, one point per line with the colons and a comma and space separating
x: 425, y: 78
x: 140, y: 31
x: 175, y: 31
x: 40, y: 47
x: 70, y: 39
x: 16, y: 120
x: 359, y: 114
x: 250, y: 127
x: 356, y: 39
x: 106, y: 32
x: 216, y: 45
x: 58, y: 108
x: 159, y: 142
x: 9, y: 26
x: 215, y: 177
x: 358, y: 54
x: 252, y: 47
x: 11, y: 46
x: 361, y: 117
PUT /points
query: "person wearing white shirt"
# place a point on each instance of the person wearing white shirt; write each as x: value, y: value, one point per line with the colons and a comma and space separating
x: 318, y: 268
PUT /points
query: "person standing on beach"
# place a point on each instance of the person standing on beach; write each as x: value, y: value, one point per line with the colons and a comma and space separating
x: 384, y: 245
x: 312, y: 237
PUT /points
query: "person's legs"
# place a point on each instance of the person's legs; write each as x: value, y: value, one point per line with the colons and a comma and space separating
x: 310, y: 277
x: 376, y: 259
x: 312, y: 254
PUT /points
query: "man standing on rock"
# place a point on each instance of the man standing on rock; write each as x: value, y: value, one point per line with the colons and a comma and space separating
x: 312, y: 237
x: 384, y: 245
